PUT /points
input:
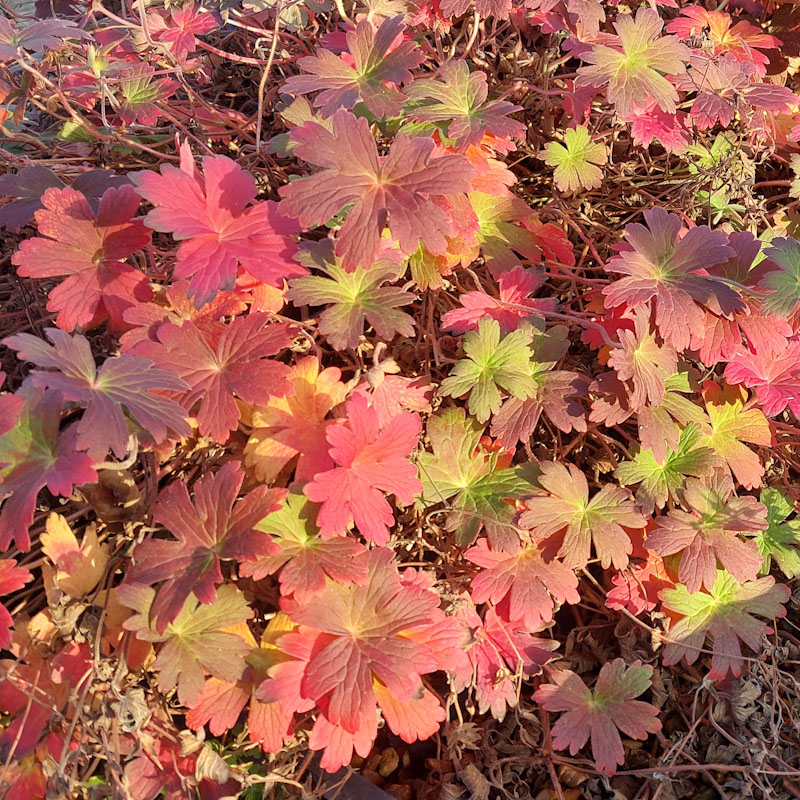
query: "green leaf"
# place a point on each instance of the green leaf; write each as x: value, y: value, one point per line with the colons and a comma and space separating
x: 726, y: 614
x: 575, y: 160
x: 660, y: 481
x: 459, y: 470
x: 781, y: 538
x: 732, y: 424
x: 195, y: 642
x: 492, y: 363
x: 502, y: 233
x: 72, y: 131
x: 352, y: 298
x: 782, y: 283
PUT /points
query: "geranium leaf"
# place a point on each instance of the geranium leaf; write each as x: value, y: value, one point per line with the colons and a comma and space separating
x: 123, y: 383
x: 209, y: 528
x: 352, y: 298
x: 375, y: 63
x: 662, y: 481
x: 633, y: 70
x: 358, y: 633
x: 303, y: 558
x: 782, y: 281
x: 221, y: 362
x: 730, y: 426
x: 471, y: 480
x: 773, y: 371
x: 88, y: 249
x: 567, y: 509
x: 79, y: 567
x: 669, y: 272
x: 458, y: 97
x: 370, y: 463
x: 513, y: 304
x: 727, y: 614
x: 12, y: 579
x: 398, y: 188
x: 707, y: 532
x: 46, y: 34
x: 533, y: 587
x: 294, y: 425
x: 636, y: 588
x: 492, y: 363
x: 195, y: 642
x: 35, y: 454
x: 643, y: 361
x: 26, y: 187
x: 780, y: 539
x: 600, y: 713
x: 576, y: 161
x: 141, y: 94
x: 499, y: 651
x: 508, y: 230
x: 213, y: 216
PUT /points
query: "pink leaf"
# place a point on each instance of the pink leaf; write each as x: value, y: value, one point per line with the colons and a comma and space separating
x: 122, y: 383
x: 773, y: 373
x: 513, y: 304
x: 707, y: 533
x: 219, y: 230
x: 370, y: 463
x: 567, y: 510
x: 670, y: 271
x: 602, y: 713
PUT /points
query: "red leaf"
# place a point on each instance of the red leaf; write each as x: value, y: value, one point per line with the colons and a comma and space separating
x: 643, y: 361
x: 37, y: 455
x: 44, y: 34
x: 12, y: 578
x: 212, y: 528
x: 221, y: 362
x: 185, y: 22
x: 773, y: 373
x: 89, y: 249
x: 637, y: 588
x: 403, y: 186
x: 533, y: 587
x: 670, y: 271
x: 417, y: 718
x: 513, y: 304
x: 293, y: 426
x: 302, y: 556
x: 391, y: 395
x: 499, y: 650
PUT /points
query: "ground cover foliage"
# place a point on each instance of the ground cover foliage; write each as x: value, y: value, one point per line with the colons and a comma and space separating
x: 409, y: 386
